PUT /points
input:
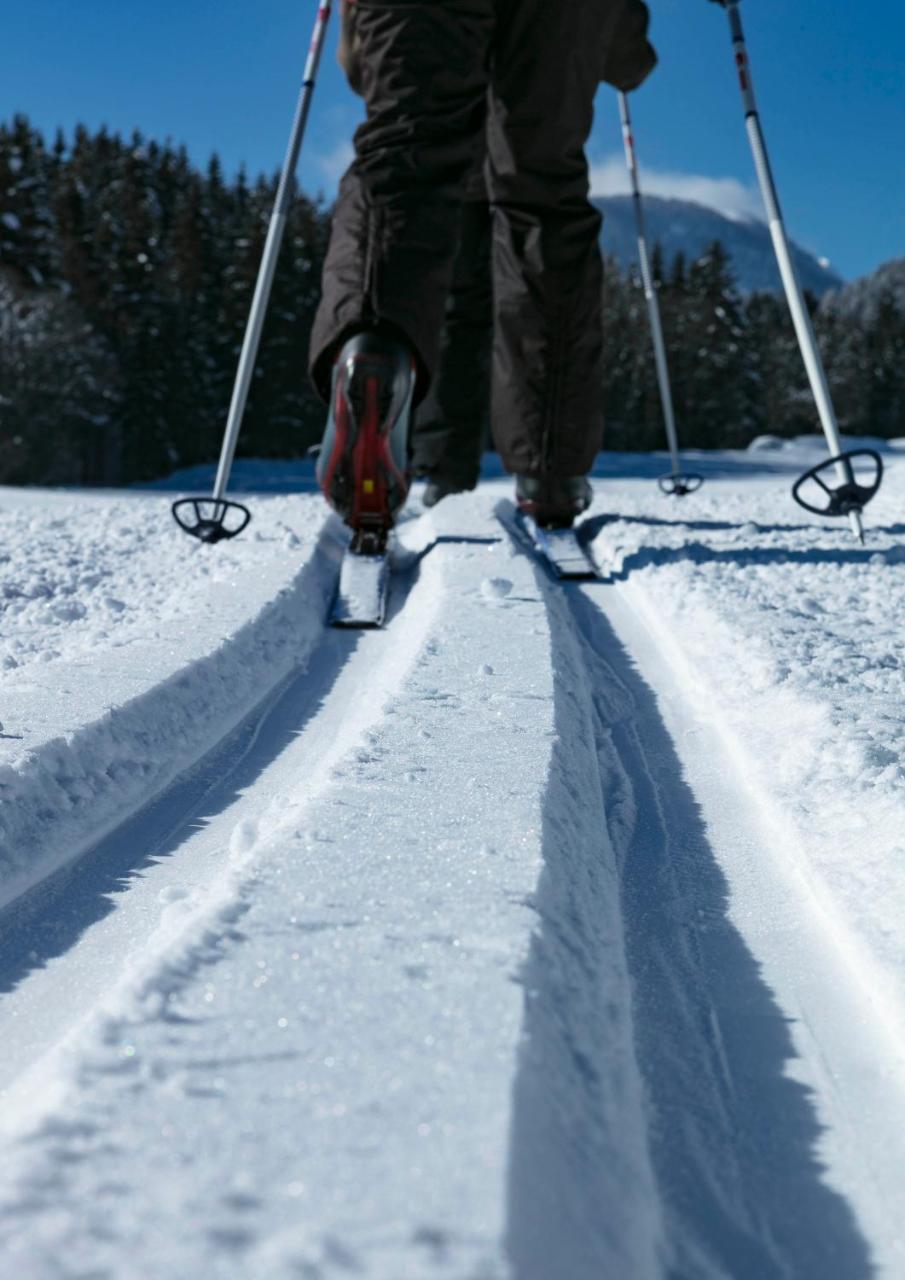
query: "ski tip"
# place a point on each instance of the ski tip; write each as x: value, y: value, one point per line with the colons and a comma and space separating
x: 356, y: 623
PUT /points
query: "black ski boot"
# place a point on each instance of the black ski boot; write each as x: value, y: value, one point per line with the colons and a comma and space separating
x: 437, y: 489
x: 362, y: 468
x: 553, y: 502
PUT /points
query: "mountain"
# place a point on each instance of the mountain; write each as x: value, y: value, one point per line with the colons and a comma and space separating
x: 681, y: 226
x: 860, y: 299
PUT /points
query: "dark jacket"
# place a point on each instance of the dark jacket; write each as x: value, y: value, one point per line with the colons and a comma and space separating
x: 628, y: 61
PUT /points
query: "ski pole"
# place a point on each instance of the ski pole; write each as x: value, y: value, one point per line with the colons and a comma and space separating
x: 678, y: 482
x: 849, y: 496
x: 208, y: 514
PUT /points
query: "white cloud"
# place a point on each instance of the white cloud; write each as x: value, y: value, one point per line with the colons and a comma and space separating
x: 609, y: 177
x: 336, y: 162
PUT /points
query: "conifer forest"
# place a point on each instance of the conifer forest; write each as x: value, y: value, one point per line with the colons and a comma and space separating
x: 126, y: 276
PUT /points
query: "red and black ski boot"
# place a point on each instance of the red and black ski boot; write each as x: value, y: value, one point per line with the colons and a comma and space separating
x: 363, y: 464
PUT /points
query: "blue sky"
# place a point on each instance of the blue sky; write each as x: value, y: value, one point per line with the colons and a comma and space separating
x: 223, y: 75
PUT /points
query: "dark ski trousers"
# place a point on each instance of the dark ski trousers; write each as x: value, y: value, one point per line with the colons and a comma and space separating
x: 441, y: 77
x: 453, y: 419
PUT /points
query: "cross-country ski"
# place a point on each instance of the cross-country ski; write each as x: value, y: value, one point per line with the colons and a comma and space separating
x: 561, y: 549
x: 363, y: 588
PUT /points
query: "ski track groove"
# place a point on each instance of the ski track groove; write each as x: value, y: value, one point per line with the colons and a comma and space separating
x: 860, y: 966
x: 630, y: 781
x: 739, y: 1227
x: 31, y: 1089
x: 827, y: 1239
x: 69, y: 792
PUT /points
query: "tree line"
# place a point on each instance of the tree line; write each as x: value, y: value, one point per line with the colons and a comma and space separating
x: 126, y: 276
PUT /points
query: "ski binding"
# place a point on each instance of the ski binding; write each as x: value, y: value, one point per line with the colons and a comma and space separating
x: 364, y: 582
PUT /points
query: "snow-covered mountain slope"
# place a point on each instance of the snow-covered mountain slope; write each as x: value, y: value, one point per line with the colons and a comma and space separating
x: 550, y: 931
x: 860, y: 301
x: 681, y: 226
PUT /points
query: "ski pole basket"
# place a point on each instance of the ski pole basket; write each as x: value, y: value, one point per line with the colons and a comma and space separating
x: 679, y: 483
x: 851, y: 491
x: 210, y: 519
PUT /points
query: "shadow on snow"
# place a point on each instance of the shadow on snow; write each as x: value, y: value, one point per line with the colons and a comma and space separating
x: 732, y: 1140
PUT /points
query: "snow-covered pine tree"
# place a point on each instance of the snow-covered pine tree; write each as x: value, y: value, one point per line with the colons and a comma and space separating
x: 59, y: 392
x: 26, y: 224
x: 780, y: 400
x: 674, y: 304
x: 885, y: 357
x: 625, y: 361
x: 714, y: 394
x: 843, y: 347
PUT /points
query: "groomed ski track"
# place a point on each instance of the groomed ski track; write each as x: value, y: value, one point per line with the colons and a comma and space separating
x: 474, y: 950
x: 174, y: 846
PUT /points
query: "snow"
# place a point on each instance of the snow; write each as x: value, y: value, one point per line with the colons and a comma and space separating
x: 799, y: 650
x: 549, y: 931
x: 126, y: 651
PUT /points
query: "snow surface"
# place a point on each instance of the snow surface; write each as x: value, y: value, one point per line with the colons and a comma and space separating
x: 126, y: 651
x: 548, y: 932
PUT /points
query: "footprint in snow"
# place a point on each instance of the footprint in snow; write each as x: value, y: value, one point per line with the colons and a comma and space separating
x: 495, y: 589
x: 244, y: 836
x: 172, y: 893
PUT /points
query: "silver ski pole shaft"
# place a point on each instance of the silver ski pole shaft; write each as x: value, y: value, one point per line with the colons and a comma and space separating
x: 278, y: 218
x: 803, y: 328
x: 650, y: 293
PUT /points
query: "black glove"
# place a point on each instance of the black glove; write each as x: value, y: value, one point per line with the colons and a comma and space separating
x: 630, y: 57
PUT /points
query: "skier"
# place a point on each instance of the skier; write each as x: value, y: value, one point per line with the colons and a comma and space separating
x: 450, y: 426
x: 437, y: 80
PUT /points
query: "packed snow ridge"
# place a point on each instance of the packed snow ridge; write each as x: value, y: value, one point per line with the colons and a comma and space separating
x: 552, y: 930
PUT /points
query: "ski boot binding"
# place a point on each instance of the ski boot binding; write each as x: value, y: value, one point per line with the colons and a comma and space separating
x: 362, y: 467
x: 553, y: 502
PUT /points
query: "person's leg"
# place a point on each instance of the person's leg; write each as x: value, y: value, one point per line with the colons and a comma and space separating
x: 448, y: 437
x: 393, y: 242
x: 396, y: 222
x: 547, y: 364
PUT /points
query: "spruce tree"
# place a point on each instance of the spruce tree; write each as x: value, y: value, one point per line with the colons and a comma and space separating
x: 59, y: 393
x: 26, y: 224
x: 885, y: 357
x: 848, y: 364
x: 779, y: 396
x: 715, y: 399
